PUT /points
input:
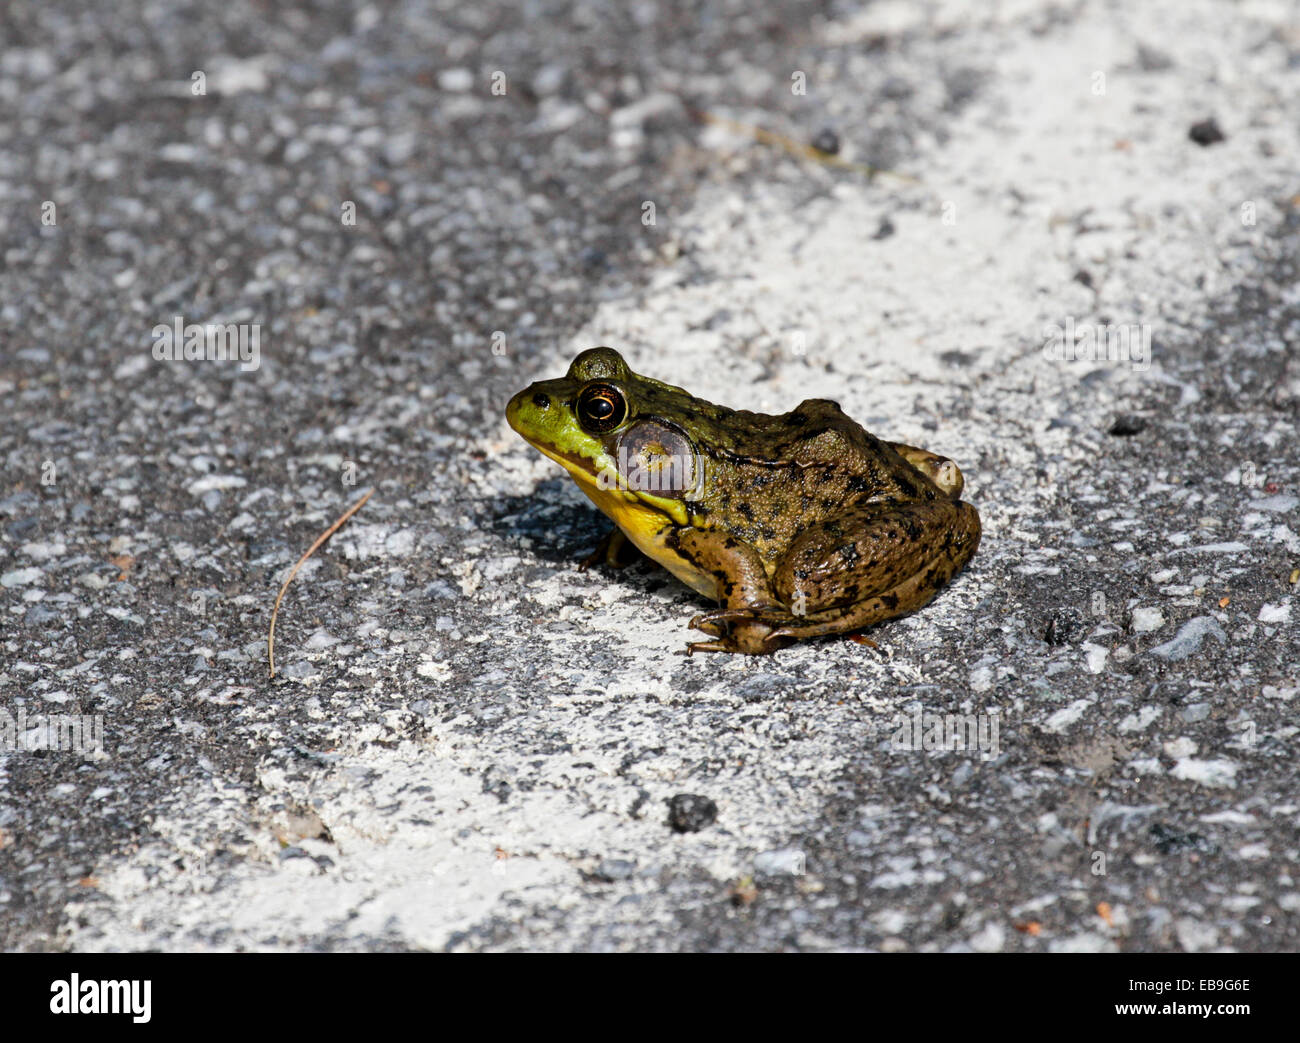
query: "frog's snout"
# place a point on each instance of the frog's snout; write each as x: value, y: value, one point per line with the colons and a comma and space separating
x: 515, y: 407
x: 532, y: 411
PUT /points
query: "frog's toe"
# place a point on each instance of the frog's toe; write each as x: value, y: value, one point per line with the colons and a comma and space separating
x: 770, y: 615
x: 721, y: 645
x: 747, y: 641
x: 737, y: 630
x: 792, y: 633
x: 709, y: 625
x: 717, y: 621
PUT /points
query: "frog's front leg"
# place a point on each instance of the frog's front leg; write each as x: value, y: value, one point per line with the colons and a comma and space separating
x: 750, y: 608
x: 614, y: 550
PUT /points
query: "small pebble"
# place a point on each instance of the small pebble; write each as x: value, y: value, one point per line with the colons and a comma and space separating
x: 787, y: 861
x: 690, y: 812
x: 1145, y: 620
x: 1189, y: 638
x: 613, y: 869
x: 827, y: 141
x: 1206, y: 132
x: 1128, y: 425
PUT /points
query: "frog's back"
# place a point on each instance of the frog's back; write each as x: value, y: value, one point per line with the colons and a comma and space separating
x: 769, y: 477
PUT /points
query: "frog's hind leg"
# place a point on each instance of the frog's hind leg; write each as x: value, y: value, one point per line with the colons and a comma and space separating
x: 939, y: 469
x: 872, y: 563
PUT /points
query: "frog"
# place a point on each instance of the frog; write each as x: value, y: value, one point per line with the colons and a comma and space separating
x: 798, y: 526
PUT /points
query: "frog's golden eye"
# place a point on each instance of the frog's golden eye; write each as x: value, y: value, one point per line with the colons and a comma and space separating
x: 601, y: 407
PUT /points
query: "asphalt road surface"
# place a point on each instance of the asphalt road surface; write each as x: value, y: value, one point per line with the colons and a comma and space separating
x: 409, y: 211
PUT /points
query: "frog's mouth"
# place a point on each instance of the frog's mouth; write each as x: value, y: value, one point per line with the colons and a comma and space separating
x: 582, y: 468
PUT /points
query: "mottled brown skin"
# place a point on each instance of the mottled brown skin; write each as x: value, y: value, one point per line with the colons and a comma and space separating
x: 801, y: 525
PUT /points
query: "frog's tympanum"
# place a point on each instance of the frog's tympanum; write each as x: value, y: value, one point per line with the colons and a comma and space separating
x: 798, y: 525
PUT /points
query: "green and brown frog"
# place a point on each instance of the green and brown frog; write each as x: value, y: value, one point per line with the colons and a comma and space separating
x: 798, y: 525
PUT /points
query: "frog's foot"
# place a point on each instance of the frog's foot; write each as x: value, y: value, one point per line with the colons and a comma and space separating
x: 614, y: 550
x: 745, y: 638
x: 750, y: 630
x: 748, y: 603
x: 939, y: 469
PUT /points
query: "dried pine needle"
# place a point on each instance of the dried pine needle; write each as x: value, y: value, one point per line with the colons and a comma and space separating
x: 270, y: 637
x: 796, y: 148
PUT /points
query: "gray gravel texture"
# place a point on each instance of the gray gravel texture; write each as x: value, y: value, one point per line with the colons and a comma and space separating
x: 471, y: 745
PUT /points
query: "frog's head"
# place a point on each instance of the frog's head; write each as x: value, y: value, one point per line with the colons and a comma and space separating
x: 613, y: 430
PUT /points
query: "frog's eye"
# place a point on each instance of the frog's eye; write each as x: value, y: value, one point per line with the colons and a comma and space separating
x: 601, y: 407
